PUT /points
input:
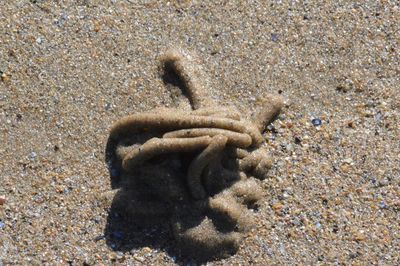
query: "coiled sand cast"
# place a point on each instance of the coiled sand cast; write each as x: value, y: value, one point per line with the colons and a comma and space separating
x: 199, y: 170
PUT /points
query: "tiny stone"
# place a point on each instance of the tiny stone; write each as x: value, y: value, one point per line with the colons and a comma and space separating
x: 274, y: 37
x: 98, y: 238
x: 350, y: 124
x: 5, y: 77
x: 289, y: 147
x: 120, y: 255
x: 32, y: 155
x: 140, y: 259
x: 378, y: 117
x: 63, y: 17
x: 316, y: 122
x: 318, y: 225
x: 147, y: 249
x: 2, y: 200
x: 348, y: 160
x: 2, y: 225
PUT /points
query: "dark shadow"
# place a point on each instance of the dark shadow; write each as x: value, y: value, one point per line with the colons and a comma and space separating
x: 139, y: 217
x: 113, y: 165
x: 172, y: 79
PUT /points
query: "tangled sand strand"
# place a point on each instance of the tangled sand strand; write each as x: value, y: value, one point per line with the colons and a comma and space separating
x: 197, y: 166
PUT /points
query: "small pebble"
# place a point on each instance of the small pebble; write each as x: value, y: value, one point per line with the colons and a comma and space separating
x: 32, y: 155
x: 120, y: 255
x: 378, y: 117
x: 2, y: 225
x: 63, y: 17
x: 2, y: 200
x: 318, y: 225
x: 147, y: 249
x: 348, y: 160
x: 5, y: 77
x: 316, y: 122
x: 98, y: 238
x: 140, y: 259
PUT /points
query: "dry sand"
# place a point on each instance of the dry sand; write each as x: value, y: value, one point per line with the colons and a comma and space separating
x: 69, y: 69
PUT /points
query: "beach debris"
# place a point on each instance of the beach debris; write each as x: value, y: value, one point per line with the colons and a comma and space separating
x: 199, y: 169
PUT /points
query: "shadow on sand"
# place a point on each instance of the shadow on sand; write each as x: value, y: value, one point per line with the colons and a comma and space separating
x: 137, y: 219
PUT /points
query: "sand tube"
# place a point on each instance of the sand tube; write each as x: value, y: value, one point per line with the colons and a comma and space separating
x: 169, y: 121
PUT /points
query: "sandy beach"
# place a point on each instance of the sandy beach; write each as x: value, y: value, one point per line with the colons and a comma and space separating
x: 70, y: 69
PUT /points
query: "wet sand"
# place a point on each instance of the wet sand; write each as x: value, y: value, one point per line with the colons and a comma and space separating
x: 70, y: 69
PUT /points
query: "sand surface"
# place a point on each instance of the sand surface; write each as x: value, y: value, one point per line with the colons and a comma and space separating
x: 69, y: 69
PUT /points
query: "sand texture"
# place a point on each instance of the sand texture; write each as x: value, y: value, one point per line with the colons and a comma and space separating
x: 70, y: 69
